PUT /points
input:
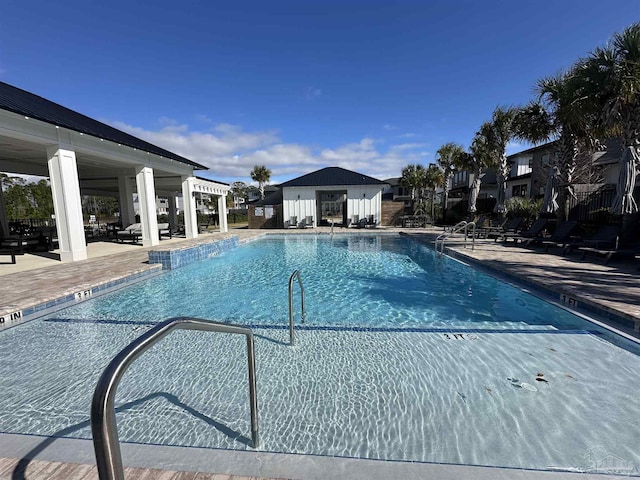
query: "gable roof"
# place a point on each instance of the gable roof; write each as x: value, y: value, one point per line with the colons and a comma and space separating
x: 20, y: 101
x: 332, y: 176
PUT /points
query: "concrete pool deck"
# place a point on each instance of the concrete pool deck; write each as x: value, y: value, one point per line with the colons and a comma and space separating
x: 613, y: 288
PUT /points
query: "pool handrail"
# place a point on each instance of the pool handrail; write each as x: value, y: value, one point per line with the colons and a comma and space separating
x: 463, y: 225
x: 103, y: 416
x: 295, y: 274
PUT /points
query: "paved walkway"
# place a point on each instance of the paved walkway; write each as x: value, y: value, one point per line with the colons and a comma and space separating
x: 614, y: 288
x: 15, y: 469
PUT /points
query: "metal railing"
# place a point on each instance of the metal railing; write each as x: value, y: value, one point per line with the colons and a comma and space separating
x: 294, y: 275
x: 103, y: 415
x: 460, y: 226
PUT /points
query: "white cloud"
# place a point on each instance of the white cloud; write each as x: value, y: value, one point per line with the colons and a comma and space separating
x: 389, y: 127
x: 312, y: 92
x: 230, y: 152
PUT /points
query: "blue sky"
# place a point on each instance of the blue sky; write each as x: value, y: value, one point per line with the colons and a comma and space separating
x: 297, y: 85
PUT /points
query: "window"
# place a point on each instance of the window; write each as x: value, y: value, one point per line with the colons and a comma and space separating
x: 519, y: 191
x: 546, y: 160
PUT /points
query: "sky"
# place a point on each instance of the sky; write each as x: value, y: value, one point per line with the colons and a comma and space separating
x: 370, y: 86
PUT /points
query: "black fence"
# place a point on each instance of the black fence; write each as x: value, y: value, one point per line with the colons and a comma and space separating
x: 593, y: 207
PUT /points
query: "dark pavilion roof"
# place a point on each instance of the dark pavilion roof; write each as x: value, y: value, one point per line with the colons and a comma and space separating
x: 273, y: 199
x: 30, y: 105
x: 332, y: 176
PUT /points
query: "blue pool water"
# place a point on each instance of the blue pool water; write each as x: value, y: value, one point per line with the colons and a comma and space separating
x: 403, y: 356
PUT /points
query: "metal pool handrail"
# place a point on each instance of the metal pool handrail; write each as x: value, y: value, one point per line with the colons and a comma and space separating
x: 103, y: 415
x: 463, y: 225
x: 295, y: 274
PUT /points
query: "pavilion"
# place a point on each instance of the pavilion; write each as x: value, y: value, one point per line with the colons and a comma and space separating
x: 82, y: 156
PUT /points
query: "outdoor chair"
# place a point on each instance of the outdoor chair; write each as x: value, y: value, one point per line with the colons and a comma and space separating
x: 605, y: 237
x: 371, y: 221
x: 132, y: 233
x: 292, y: 223
x: 510, y: 226
x: 535, y: 231
x: 561, y: 237
x: 355, y: 221
x: 308, y: 222
x: 164, y: 230
x: 611, y: 253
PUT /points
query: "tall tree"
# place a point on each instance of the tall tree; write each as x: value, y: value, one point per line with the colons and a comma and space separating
x: 260, y: 174
x: 498, y: 132
x: 449, y: 157
x: 413, y: 178
x: 561, y: 112
x: 433, y: 177
x: 476, y: 162
x: 611, y: 76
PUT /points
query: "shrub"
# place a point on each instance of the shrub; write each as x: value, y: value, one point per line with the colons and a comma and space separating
x: 523, y: 207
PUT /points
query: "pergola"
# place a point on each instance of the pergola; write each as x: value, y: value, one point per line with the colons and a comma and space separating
x: 83, y: 156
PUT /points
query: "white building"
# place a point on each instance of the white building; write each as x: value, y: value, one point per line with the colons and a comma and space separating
x: 332, y: 194
x: 82, y: 156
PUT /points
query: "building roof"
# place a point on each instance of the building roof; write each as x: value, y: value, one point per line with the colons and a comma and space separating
x: 274, y: 199
x: 332, y: 176
x: 20, y: 101
x: 545, y: 146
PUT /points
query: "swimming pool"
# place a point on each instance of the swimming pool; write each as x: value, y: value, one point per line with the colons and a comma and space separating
x: 403, y: 357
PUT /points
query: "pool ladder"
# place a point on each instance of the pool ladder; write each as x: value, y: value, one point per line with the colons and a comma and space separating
x: 294, y: 275
x: 457, y: 228
x: 103, y: 415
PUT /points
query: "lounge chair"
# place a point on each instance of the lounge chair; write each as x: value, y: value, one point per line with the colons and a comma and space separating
x: 611, y: 253
x: 164, y: 230
x: 308, y: 222
x: 355, y: 221
x: 371, y: 221
x: 535, y: 231
x: 510, y: 226
x: 292, y: 223
x: 132, y: 233
x: 362, y: 223
x: 561, y: 237
x: 605, y: 238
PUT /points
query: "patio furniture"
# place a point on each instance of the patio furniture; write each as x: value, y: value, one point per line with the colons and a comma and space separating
x: 164, y: 230
x: 605, y: 237
x: 132, y: 233
x: 561, y: 237
x: 308, y: 222
x: 9, y: 251
x: 292, y: 222
x: 510, y: 226
x: 535, y: 231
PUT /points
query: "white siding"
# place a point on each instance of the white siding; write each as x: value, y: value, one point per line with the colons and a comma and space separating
x: 299, y: 202
x: 362, y: 200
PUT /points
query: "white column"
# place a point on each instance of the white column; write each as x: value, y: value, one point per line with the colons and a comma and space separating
x: 222, y: 213
x: 125, y: 191
x: 189, y: 207
x: 173, y: 216
x: 147, y: 203
x: 4, y: 224
x: 65, y: 188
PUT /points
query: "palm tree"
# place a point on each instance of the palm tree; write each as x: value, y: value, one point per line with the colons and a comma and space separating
x: 562, y: 112
x: 433, y: 178
x: 476, y: 162
x: 260, y: 174
x: 449, y: 157
x: 611, y: 77
x: 413, y: 177
x: 497, y: 133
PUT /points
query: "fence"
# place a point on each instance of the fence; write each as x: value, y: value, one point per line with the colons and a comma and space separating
x: 592, y: 207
